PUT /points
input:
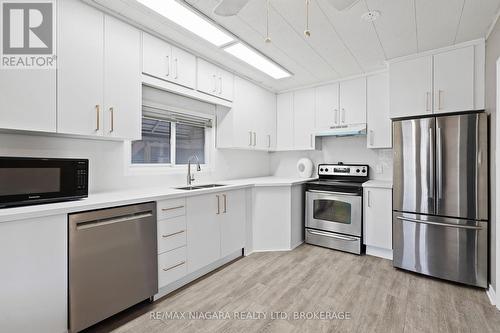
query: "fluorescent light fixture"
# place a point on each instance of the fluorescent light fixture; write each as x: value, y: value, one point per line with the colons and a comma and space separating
x: 189, y: 20
x: 257, y: 60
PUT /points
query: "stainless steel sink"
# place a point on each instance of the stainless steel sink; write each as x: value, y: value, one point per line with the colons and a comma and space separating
x: 199, y: 187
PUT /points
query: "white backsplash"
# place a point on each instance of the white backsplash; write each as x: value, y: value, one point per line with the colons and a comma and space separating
x: 334, y: 150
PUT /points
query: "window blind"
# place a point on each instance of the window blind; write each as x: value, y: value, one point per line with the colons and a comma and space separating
x: 157, y: 113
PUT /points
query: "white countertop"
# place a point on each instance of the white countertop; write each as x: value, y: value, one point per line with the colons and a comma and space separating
x: 127, y: 197
x: 378, y: 183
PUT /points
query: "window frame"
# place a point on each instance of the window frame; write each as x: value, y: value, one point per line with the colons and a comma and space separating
x: 167, y: 168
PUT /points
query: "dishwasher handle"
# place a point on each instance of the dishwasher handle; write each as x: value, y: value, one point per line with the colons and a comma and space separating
x: 120, y: 219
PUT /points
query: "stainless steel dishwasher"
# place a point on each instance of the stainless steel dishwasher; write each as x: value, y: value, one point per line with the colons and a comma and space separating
x: 113, y: 262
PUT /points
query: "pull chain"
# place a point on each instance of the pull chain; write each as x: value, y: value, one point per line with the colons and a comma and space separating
x: 307, y: 32
x: 268, y: 38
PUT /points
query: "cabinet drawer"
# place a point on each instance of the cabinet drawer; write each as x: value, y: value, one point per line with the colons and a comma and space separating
x: 171, y: 208
x: 171, y: 233
x: 171, y: 266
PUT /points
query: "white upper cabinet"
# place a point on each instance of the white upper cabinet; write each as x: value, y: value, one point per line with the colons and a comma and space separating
x: 454, y: 80
x: 99, y: 87
x: 167, y: 62
x: 353, y: 101
x: 284, y: 121
x: 251, y: 122
x: 379, y: 121
x: 327, y: 106
x: 80, y: 71
x: 122, y: 80
x: 444, y: 81
x: 215, y: 81
x: 28, y: 100
x: 303, y: 128
x: 410, y: 85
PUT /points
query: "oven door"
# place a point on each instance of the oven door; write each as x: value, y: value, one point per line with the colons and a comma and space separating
x: 336, y: 212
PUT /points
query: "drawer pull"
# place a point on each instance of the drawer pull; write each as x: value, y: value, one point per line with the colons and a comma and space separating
x: 174, y: 266
x: 171, y: 208
x: 173, y: 234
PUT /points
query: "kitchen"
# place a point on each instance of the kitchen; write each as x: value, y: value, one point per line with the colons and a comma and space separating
x: 249, y: 165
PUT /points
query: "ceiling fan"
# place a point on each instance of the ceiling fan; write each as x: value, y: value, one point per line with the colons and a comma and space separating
x: 233, y: 7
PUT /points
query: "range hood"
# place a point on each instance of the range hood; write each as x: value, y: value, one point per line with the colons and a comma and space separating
x: 344, y: 130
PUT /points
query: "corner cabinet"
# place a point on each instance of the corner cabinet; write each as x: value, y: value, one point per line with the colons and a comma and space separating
x: 251, y: 122
x: 214, y: 81
x: 215, y: 227
x: 447, y: 80
x: 99, y: 86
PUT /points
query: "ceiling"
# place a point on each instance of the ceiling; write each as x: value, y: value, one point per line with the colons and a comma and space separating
x: 341, y: 43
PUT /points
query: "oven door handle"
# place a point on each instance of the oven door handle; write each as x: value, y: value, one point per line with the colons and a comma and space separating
x: 319, y: 233
x: 331, y: 192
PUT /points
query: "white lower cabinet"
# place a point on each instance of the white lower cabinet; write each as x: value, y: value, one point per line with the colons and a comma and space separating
x: 215, y: 227
x: 34, y: 278
x: 377, y: 235
x: 171, y: 266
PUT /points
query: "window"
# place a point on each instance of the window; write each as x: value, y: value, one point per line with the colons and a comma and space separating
x: 170, y: 140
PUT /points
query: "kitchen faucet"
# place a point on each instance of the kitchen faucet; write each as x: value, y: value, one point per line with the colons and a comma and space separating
x: 190, y: 177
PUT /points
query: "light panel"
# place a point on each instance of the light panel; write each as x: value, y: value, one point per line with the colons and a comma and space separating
x: 189, y: 20
x: 257, y: 60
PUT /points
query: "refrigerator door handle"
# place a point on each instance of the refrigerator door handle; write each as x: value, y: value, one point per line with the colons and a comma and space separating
x: 431, y: 161
x: 441, y: 224
x: 439, y: 153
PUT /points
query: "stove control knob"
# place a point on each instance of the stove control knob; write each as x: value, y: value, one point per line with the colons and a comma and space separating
x: 357, y: 170
x: 321, y: 170
x: 326, y: 169
x: 364, y: 170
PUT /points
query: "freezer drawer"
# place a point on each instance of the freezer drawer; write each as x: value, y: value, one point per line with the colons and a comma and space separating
x: 446, y: 248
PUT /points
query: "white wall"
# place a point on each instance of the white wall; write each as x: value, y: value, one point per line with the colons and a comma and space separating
x: 337, y: 149
x: 107, y: 161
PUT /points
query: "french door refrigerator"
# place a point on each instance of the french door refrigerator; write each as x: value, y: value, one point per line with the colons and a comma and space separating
x: 440, y: 197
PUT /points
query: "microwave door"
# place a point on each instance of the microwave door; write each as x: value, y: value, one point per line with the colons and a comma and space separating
x: 461, y: 166
x: 414, y: 166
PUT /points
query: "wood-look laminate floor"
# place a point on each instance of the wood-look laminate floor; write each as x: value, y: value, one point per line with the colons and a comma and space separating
x: 311, y: 279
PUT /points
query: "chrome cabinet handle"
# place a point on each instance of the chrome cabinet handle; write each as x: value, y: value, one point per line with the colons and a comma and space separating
x: 336, y: 117
x: 168, y: 65
x: 427, y: 99
x: 311, y: 141
x: 171, y: 208
x: 250, y: 132
x: 254, y: 139
x: 215, y: 83
x: 343, y: 115
x: 441, y: 224
x: 218, y: 204
x: 332, y: 236
x: 112, y: 113
x: 174, y: 266
x: 98, y: 116
x: 268, y: 141
x: 173, y: 234
x: 225, y: 203
x: 372, y: 137
x: 368, y: 199
x: 176, y: 68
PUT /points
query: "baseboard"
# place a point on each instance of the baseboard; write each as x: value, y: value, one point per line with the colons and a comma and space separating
x: 297, y: 244
x: 271, y: 250
x: 490, y: 292
x: 378, y: 252
x: 195, y: 275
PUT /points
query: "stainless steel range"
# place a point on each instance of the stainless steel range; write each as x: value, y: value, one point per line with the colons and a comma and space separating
x: 334, y: 207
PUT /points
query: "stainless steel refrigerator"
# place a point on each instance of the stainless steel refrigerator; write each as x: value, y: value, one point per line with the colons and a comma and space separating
x: 440, y: 197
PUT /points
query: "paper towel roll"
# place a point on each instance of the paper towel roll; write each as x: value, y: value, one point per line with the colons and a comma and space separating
x: 305, y: 168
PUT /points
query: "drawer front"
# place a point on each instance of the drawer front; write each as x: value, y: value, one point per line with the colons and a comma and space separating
x: 171, y: 266
x: 171, y: 234
x: 171, y: 208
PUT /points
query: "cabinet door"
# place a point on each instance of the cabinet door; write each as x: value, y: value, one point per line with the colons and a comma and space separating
x: 243, y: 113
x: 225, y: 84
x: 378, y: 217
x: 183, y: 68
x: 284, y: 121
x: 34, y: 257
x: 454, y: 80
x: 410, y: 87
x: 327, y: 107
x: 156, y: 57
x: 303, y: 123
x: 353, y: 101
x: 379, y: 123
x: 265, y: 119
x: 233, y: 221
x: 28, y: 100
x: 80, y: 69
x: 203, y: 230
x: 122, y: 80
x: 207, y: 77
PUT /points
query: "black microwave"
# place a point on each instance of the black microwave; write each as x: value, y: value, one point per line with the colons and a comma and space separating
x: 29, y: 181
